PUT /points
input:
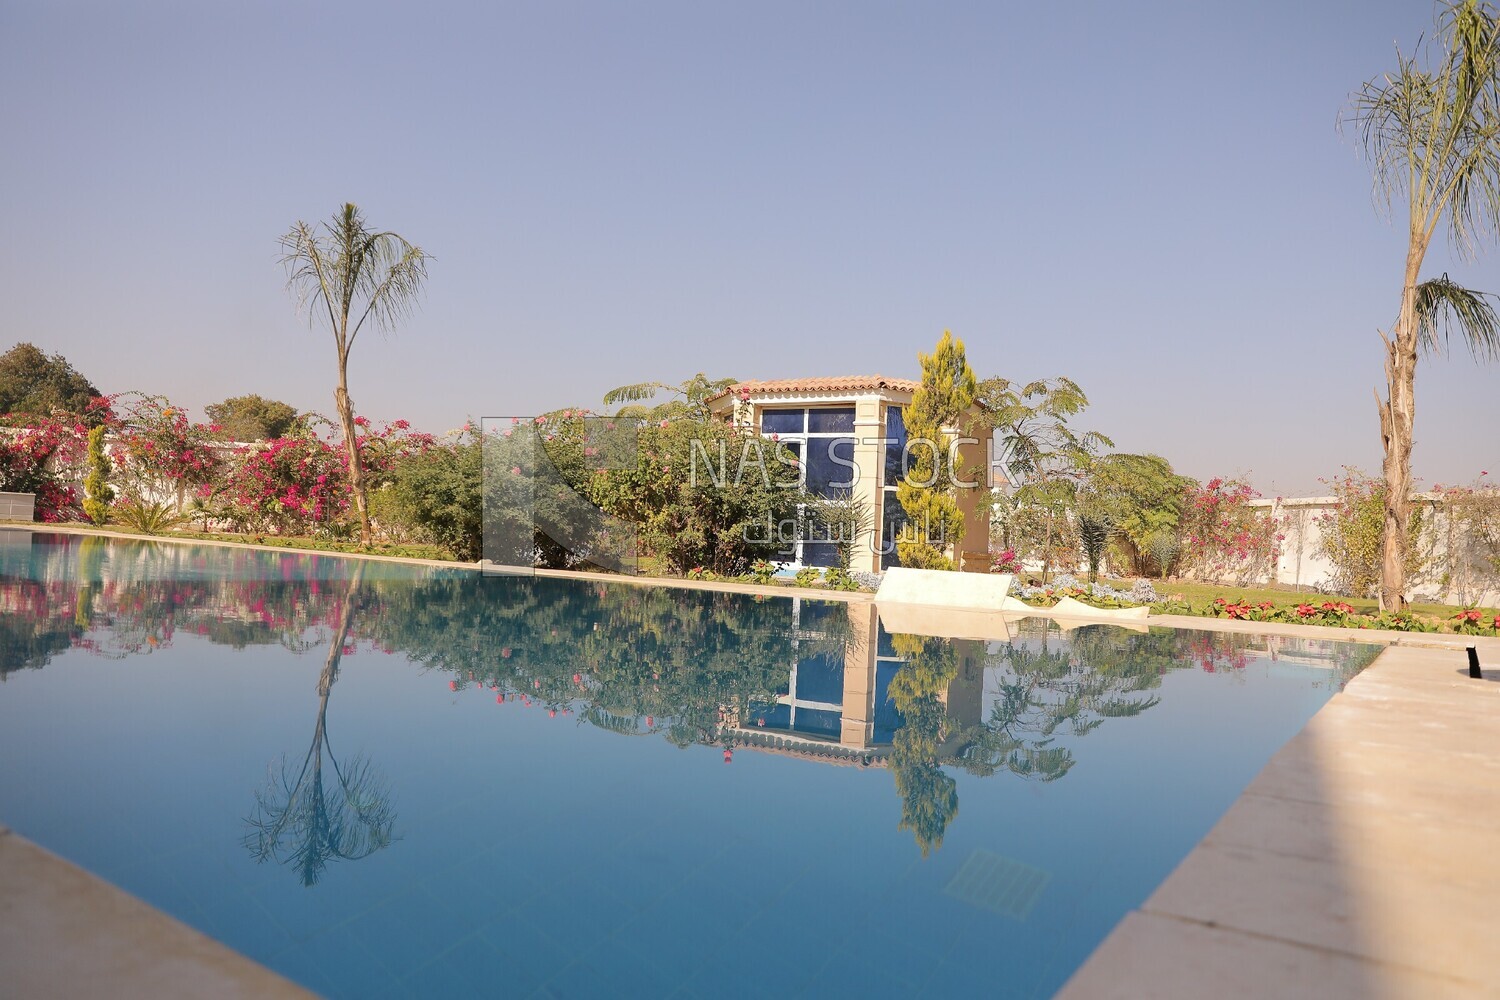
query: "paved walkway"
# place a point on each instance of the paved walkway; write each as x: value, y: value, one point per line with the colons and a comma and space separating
x: 1362, y: 862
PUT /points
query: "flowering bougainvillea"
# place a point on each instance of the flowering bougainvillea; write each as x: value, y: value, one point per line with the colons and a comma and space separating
x: 1224, y: 538
x: 1352, y: 533
x: 44, y: 459
x: 289, y: 485
x: 164, y: 455
x: 1007, y: 562
x: 300, y: 484
x: 1468, y: 538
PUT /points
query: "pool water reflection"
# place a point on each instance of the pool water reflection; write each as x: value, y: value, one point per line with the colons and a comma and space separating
x: 389, y: 780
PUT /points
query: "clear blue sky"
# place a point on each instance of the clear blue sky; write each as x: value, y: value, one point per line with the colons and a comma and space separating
x: 1150, y: 198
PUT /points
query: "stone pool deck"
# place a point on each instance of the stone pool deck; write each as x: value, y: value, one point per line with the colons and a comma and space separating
x: 1361, y: 862
x: 66, y: 933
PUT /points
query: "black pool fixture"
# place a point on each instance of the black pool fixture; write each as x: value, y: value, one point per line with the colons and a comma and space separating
x: 1474, y: 670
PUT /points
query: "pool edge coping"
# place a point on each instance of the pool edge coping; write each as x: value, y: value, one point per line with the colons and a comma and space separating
x: 64, y: 931
x: 1384, y: 637
x: 1210, y: 928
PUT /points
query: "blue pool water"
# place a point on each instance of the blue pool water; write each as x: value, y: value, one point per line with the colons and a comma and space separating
x: 386, y: 780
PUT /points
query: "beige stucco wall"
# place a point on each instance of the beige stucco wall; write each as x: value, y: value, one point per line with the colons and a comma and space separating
x: 972, y: 554
x: 869, y: 428
x: 1302, y: 564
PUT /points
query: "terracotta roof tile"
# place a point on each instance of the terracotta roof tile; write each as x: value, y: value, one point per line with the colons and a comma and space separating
x: 836, y: 383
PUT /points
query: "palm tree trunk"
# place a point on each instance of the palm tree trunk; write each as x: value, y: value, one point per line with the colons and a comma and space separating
x: 351, y: 443
x: 1397, y: 420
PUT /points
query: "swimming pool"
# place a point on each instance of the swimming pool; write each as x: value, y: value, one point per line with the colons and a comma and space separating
x: 381, y: 779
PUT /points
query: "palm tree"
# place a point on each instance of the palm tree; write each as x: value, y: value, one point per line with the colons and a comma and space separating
x: 693, y: 404
x: 1094, y: 529
x: 353, y: 275
x: 1044, y: 458
x: 1432, y: 135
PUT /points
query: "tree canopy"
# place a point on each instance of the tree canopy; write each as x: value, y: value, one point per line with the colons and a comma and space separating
x: 32, y: 382
x: 252, y: 418
x: 947, y: 390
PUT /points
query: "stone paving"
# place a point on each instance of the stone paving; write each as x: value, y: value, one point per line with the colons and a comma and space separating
x: 66, y: 933
x: 1360, y: 862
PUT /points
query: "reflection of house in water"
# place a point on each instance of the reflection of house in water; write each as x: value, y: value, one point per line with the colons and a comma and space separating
x: 835, y: 704
x: 1329, y: 653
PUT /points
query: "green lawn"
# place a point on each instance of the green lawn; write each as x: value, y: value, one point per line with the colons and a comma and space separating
x: 1281, y: 596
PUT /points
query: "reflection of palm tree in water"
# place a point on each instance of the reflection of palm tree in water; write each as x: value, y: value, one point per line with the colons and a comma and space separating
x: 295, y: 822
x: 1100, y: 673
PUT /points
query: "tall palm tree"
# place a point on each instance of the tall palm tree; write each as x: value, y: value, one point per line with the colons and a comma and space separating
x: 1431, y: 132
x: 353, y: 275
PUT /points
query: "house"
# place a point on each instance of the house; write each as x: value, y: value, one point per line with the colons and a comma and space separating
x: 849, y: 436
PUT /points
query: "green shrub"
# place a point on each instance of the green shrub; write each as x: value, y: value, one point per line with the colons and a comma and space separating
x: 838, y: 579
x: 151, y: 517
x: 687, y: 509
x: 1353, y: 534
x: 762, y: 570
x: 809, y: 576
x: 1401, y: 621
x: 98, y: 494
x: 436, y: 496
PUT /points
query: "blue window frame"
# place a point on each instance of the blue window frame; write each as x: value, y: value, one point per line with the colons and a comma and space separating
x: 822, y: 437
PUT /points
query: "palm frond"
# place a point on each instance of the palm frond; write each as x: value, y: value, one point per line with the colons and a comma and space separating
x: 1429, y: 130
x: 353, y: 274
x: 633, y: 393
x: 1443, y: 305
